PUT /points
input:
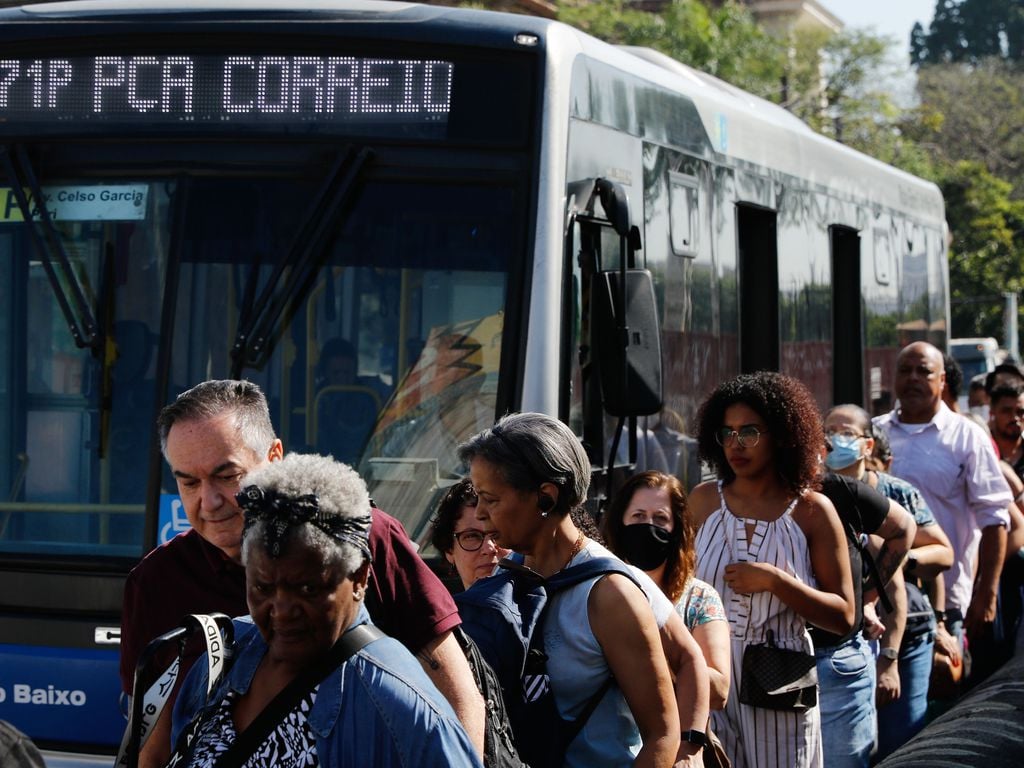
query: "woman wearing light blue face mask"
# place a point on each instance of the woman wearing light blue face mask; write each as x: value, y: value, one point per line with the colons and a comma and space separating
x: 846, y: 450
x: 905, y: 662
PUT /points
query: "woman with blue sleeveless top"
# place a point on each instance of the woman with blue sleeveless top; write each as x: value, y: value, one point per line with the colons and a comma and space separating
x: 531, y: 474
x: 772, y: 547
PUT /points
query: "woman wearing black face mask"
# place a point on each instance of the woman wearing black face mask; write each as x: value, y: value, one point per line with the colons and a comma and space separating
x: 647, y: 526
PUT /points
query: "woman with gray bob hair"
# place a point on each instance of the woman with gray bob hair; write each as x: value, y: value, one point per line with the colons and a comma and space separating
x: 529, y: 472
x: 318, y: 685
x: 530, y: 449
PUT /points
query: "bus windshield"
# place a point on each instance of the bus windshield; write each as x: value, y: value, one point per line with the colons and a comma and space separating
x: 369, y: 308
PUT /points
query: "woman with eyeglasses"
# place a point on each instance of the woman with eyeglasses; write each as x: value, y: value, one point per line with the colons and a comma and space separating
x: 905, y: 662
x: 772, y: 547
x: 465, y: 540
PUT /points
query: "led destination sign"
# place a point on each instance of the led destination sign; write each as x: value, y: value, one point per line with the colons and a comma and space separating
x: 243, y: 90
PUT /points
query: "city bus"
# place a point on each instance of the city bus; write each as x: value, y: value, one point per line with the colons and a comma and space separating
x: 401, y: 221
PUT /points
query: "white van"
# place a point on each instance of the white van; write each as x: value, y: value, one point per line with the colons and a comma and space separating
x: 974, y: 355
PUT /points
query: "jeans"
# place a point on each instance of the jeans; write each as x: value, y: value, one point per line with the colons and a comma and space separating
x: 903, y: 718
x: 846, y: 698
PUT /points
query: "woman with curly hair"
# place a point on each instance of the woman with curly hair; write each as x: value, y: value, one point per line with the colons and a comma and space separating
x: 649, y: 526
x: 773, y: 548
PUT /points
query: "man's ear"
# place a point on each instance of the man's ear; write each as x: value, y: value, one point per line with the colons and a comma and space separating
x: 362, y: 574
x: 276, y: 452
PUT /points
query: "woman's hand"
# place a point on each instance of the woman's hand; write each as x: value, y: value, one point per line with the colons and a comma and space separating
x: 888, y: 690
x: 696, y: 760
x: 947, y: 645
x: 873, y: 626
x: 749, y: 578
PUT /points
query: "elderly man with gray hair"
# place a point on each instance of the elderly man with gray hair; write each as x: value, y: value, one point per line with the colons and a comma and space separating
x: 315, y: 685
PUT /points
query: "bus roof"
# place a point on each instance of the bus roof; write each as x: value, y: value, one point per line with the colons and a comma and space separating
x: 738, y: 124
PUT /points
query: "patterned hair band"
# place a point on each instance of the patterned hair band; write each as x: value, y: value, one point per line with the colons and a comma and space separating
x: 281, y: 513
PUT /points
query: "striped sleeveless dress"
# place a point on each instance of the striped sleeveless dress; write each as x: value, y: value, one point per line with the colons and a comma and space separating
x: 755, y: 737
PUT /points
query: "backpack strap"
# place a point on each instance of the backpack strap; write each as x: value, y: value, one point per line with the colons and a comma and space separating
x: 149, y: 696
x: 589, y: 569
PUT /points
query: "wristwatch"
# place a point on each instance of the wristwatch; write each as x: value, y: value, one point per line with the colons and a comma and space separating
x: 892, y: 654
x: 695, y: 737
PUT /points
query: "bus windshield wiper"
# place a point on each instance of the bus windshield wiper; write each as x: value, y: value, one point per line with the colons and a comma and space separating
x: 258, y: 325
x: 48, y: 245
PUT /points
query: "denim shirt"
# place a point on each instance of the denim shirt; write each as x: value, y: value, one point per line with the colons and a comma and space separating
x: 379, y: 709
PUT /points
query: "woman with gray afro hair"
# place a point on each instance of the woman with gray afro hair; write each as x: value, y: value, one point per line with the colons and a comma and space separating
x: 310, y: 676
x: 314, y: 499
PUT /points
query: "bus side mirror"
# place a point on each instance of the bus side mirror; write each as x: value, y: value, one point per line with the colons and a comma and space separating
x: 629, y: 368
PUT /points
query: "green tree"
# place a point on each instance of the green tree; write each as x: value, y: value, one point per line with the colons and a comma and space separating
x: 970, y: 31
x: 842, y: 85
x: 723, y: 41
x: 987, y: 228
x: 972, y: 113
x: 856, y: 74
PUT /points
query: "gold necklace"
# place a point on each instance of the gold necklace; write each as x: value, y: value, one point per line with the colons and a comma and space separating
x: 576, y: 547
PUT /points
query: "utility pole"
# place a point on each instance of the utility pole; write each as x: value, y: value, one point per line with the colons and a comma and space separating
x: 1010, y: 325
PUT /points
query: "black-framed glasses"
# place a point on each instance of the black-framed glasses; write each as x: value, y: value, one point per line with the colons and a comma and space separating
x: 747, y: 437
x: 472, y: 539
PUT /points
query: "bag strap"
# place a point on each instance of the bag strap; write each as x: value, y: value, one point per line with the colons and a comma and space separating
x: 573, y: 728
x: 564, y: 579
x: 248, y: 740
x: 865, y: 553
x: 150, y: 696
x: 588, y: 569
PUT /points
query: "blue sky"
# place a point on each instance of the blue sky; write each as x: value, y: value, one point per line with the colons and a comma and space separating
x: 893, y: 18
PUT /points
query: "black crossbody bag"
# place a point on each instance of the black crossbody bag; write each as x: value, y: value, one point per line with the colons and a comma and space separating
x: 778, y: 678
x: 284, y: 702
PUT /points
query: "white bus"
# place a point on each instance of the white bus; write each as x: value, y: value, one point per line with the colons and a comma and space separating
x: 401, y: 221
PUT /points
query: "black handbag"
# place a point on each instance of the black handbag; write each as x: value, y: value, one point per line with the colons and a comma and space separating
x: 778, y: 678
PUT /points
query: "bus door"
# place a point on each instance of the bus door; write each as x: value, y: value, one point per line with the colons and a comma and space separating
x: 847, y: 317
x: 757, y: 245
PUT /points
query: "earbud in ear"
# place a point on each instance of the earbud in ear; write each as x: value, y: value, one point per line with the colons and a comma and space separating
x: 545, y: 504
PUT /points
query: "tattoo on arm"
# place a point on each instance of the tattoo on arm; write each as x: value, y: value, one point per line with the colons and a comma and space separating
x: 888, y: 562
x: 428, y: 660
